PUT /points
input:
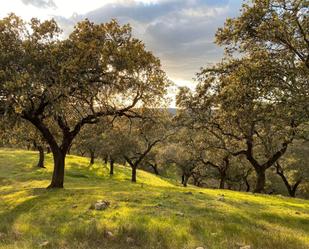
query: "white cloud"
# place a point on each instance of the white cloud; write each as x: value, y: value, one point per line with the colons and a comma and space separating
x: 41, y: 3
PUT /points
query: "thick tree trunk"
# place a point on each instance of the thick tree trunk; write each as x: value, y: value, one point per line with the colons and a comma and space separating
x: 41, y: 157
x: 133, y: 179
x: 48, y: 150
x: 58, y: 174
x: 92, y: 157
x: 260, y: 181
x: 111, y: 169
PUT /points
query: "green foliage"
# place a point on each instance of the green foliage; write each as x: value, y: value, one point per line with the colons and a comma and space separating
x: 60, y: 85
x: 256, y: 99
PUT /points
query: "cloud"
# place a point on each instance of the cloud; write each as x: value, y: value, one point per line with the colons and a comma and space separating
x: 180, y: 32
x: 40, y: 3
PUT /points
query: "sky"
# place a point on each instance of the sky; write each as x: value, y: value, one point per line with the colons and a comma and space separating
x: 180, y: 32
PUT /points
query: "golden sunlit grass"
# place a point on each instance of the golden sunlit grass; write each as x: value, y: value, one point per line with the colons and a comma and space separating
x: 153, y: 213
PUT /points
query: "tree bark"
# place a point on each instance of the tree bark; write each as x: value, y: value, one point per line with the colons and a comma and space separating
x: 247, y: 185
x: 222, y: 180
x: 185, y: 180
x: 41, y: 157
x: 58, y: 173
x: 260, y: 181
x: 222, y: 183
x: 291, y: 188
x: 155, y: 168
x: 111, y: 170
x: 294, y: 189
x: 69, y: 149
x: 92, y: 157
x: 105, y: 159
x: 133, y: 179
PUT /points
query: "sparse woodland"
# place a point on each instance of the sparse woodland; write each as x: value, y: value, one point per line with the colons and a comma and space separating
x: 99, y: 93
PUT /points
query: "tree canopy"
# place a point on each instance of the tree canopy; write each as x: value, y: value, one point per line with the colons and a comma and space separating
x: 99, y: 70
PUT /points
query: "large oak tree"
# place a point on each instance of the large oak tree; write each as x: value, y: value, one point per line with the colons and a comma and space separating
x: 61, y: 84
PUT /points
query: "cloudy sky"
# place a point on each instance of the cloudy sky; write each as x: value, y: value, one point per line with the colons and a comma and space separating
x: 180, y: 32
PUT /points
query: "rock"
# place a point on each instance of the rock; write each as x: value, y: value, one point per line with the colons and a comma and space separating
x: 44, y: 244
x: 109, y: 234
x: 100, y: 205
x: 74, y: 206
x: 180, y: 214
x: 130, y: 240
x: 245, y: 247
x: 221, y: 198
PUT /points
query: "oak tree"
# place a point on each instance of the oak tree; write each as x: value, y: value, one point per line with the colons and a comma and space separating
x: 62, y: 84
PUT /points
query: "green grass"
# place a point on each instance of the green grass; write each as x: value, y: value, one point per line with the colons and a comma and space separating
x: 149, y: 212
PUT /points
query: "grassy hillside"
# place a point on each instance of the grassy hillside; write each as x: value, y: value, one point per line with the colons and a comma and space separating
x: 153, y: 213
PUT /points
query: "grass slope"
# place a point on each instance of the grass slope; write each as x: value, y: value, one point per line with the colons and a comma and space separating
x: 153, y: 213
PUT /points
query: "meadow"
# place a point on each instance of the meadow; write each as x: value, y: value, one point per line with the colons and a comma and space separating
x: 153, y: 213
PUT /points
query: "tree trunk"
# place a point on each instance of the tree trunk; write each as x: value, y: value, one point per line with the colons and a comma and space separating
x: 260, y: 181
x: 185, y: 180
x: 111, y: 170
x: 247, y: 185
x: 48, y: 150
x: 105, y: 159
x: 222, y: 181
x: 155, y: 168
x: 92, y: 156
x: 41, y: 157
x: 69, y: 150
x: 133, y: 179
x: 58, y: 174
x: 291, y: 189
x: 294, y: 189
x: 196, y: 180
